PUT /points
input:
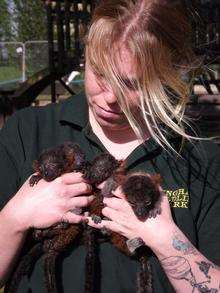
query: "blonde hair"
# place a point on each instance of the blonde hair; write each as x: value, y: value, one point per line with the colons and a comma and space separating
x: 157, y: 35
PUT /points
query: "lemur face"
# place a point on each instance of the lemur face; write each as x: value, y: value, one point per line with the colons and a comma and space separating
x: 141, y: 192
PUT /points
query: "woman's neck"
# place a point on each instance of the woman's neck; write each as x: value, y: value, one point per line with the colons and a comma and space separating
x: 119, y: 143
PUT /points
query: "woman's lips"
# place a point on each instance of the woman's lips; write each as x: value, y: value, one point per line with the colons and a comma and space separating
x: 108, y: 113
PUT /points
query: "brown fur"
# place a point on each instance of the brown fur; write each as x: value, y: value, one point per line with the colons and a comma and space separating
x: 52, y: 241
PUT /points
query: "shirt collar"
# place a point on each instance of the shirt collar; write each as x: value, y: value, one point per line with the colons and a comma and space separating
x: 146, y: 151
x: 75, y: 110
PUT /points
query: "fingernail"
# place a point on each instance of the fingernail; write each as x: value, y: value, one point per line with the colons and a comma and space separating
x: 86, y: 221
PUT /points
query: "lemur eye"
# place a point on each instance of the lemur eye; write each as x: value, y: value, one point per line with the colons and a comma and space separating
x: 147, y: 203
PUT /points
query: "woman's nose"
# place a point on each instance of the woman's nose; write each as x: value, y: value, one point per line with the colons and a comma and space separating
x: 110, y: 97
x: 108, y: 93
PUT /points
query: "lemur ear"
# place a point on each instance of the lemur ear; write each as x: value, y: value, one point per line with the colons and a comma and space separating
x: 119, y: 174
x: 35, y: 165
x: 156, y: 178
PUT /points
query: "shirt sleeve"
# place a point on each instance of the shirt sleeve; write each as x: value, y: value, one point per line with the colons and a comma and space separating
x: 11, y: 159
x: 208, y: 224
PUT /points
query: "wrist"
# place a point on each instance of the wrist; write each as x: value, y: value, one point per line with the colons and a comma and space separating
x: 11, y: 219
x: 160, y: 241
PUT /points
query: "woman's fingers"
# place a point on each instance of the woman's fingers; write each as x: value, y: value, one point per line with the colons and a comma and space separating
x: 80, y: 201
x: 116, y: 203
x: 115, y: 216
x: 70, y: 217
x: 109, y: 225
x: 118, y: 193
x: 76, y: 189
x: 71, y: 178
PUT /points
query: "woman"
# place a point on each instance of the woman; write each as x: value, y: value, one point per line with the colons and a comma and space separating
x: 136, y: 55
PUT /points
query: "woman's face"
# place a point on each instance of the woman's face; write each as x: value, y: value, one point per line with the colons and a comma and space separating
x: 101, y: 99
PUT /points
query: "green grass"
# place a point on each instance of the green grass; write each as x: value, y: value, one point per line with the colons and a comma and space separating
x: 8, y: 73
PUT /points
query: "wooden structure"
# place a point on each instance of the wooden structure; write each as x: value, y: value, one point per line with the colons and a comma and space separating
x: 67, y: 23
x: 204, y: 106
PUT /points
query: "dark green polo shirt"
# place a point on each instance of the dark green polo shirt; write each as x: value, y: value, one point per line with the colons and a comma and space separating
x: 191, y: 183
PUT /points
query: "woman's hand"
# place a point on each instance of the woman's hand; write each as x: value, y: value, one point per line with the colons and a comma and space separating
x: 122, y: 220
x: 48, y: 203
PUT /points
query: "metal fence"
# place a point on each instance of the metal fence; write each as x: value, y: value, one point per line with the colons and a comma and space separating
x: 18, y: 61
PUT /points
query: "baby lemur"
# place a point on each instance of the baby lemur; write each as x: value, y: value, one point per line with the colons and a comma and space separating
x: 141, y: 191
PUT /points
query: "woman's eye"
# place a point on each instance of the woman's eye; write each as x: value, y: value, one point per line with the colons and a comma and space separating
x: 130, y: 84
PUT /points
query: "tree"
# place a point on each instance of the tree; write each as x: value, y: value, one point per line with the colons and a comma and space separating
x: 5, y: 21
x: 29, y: 20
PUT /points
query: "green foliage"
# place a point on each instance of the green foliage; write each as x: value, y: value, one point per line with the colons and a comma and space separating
x: 22, y: 20
x: 5, y: 21
x: 30, y: 20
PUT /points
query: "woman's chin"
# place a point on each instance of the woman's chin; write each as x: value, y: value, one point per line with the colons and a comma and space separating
x: 112, y: 124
